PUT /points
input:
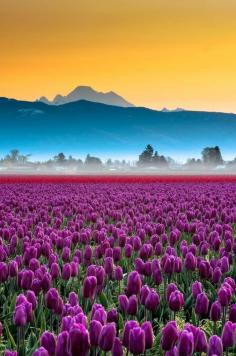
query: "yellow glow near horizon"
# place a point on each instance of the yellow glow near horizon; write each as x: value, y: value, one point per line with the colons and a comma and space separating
x: 155, y: 53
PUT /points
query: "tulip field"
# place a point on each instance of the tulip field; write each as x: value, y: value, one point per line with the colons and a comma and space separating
x: 115, y: 268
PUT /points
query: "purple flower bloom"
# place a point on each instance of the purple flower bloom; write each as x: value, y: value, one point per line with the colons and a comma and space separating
x: 202, y: 304
x: 196, y: 289
x: 149, y: 336
x: 176, y: 301
x: 48, y: 341
x: 79, y: 341
x: 169, y: 336
x: 186, y: 343
x: 137, y: 341
x: 117, y: 349
x: 215, y: 346
x: 107, y: 337
x: 134, y: 283
x: 228, y: 334
x: 94, y: 332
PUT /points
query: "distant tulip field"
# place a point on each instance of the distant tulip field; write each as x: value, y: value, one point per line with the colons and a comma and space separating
x: 101, y: 268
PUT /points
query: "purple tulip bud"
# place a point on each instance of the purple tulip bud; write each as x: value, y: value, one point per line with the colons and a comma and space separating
x: 55, y: 270
x: 118, y: 273
x: 215, y: 346
x: 10, y: 353
x: 101, y: 315
x: 79, y: 341
x: 52, y: 298
x: 94, y: 332
x: 200, y: 341
x: 176, y: 301
x: 117, y: 349
x: 3, y: 272
x: 137, y: 341
x: 129, y: 325
x: 107, y: 337
x: 112, y: 316
x: 41, y: 351
x: 232, y: 313
x: 216, y: 275
x: 132, y: 307
x: 13, y: 268
x: 27, y: 279
x: 215, y: 312
x: 108, y: 265
x: 62, y: 344
x: 186, y: 343
x: 46, y: 282
x: 134, y: 283
x: 32, y: 298
x: 89, y: 287
x: 144, y: 293
x: 170, y: 288
x: 224, y: 296
x: 152, y: 301
x: 123, y: 302
x: 20, y: 315
x: 190, y: 262
x: 73, y: 299
x: 66, y: 271
x: 149, y: 336
x: 202, y: 304
x: 128, y: 250
x: 228, y: 336
x: 48, y: 341
x: 170, y: 336
x: 196, y: 289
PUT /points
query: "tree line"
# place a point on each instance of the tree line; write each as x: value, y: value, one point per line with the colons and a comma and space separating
x: 210, y: 157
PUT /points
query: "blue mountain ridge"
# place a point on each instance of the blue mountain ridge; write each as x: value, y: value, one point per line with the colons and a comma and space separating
x: 88, y: 127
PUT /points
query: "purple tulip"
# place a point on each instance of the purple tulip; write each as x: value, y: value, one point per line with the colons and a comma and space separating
x: 152, y: 301
x: 117, y: 349
x: 62, y: 344
x: 79, y: 341
x: 112, y: 316
x: 107, y: 337
x: 89, y: 287
x: 20, y: 315
x: 176, y: 301
x: 228, y: 334
x: 149, y: 336
x: 94, y: 332
x: 215, y: 346
x: 186, y: 343
x: 137, y: 341
x: 129, y: 325
x: 123, y: 302
x: 169, y: 336
x: 232, y: 313
x: 132, y: 306
x: 41, y: 351
x: 196, y: 289
x: 200, y: 341
x: 48, y: 341
x: 215, y: 311
x: 190, y: 262
x: 202, y: 304
x: 134, y: 283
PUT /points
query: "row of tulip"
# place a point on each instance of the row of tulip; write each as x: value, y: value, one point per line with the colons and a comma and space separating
x: 112, y: 268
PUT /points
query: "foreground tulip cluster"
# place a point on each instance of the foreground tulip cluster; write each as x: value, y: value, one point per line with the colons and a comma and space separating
x: 118, y: 269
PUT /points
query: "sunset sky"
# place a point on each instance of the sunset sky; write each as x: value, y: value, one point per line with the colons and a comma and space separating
x: 155, y: 53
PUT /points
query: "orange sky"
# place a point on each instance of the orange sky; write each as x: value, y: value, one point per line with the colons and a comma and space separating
x: 155, y: 53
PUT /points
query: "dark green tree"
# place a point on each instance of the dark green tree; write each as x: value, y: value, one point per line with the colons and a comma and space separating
x: 146, y: 156
x: 212, y: 156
